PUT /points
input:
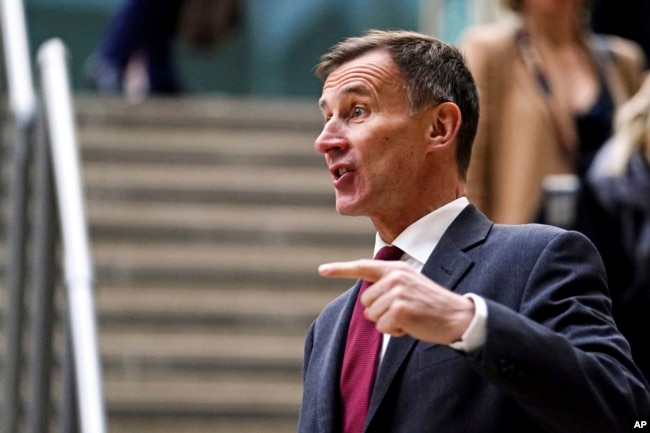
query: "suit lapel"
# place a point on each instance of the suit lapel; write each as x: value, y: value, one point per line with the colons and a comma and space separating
x: 446, y: 265
x: 396, y: 354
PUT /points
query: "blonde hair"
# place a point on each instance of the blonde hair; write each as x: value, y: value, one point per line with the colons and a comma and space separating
x: 631, y: 126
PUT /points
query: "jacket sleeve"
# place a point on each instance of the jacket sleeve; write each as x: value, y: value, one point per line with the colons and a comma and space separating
x: 309, y: 344
x: 560, y: 356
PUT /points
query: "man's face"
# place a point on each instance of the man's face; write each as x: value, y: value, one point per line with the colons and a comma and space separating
x: 373, y: 147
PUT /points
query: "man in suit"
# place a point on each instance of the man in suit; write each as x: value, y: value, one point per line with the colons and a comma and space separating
x: 484, y: 327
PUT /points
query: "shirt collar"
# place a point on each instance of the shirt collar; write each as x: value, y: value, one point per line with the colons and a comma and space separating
x: 421, y: 237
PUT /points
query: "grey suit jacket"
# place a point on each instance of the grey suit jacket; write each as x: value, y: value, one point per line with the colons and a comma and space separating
x: 553, y: 360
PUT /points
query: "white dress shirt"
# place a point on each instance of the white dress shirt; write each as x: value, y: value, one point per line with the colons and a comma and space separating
x: 418, y: 241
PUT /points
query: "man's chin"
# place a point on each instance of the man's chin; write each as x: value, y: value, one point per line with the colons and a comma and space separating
x: 353, y: 203
x: 347, y: 209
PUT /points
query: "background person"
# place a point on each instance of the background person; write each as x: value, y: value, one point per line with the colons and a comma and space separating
x: 486, y: 327
x: 549, y: 88
x: 142, y: 34
x: 613, y: 210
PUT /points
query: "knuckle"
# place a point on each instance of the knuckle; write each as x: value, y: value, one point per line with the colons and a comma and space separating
x: 400, y: 310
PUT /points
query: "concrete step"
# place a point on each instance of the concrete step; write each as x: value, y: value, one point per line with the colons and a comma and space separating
x: 238, y: 310
x: 223, y: 398
x: 210, y: 111
x: 217, y: 224
x: 207, y: 184
x: 171, y: 424
x: 234, y: 265
x: 235, y: 377
x: 202, y: 146
x: 205, y: 351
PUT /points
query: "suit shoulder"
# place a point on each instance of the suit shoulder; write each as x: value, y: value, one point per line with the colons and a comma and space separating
x: 517, y: 245
x: 493, y: 37
x: 531, y: 234
x: 334, y: 307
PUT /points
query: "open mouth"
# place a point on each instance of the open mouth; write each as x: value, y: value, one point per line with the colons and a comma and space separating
x: 340, y: 172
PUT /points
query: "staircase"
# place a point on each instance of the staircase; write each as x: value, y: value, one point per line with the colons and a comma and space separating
x: 208, y: 217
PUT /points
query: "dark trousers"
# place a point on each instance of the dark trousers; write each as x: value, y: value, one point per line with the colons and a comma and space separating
x: 147, y: 28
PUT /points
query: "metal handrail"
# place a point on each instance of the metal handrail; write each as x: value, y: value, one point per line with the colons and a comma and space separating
x: 78, y: 270
x: 23, y: 108
x: 83, y: 385
x: 22, y: 97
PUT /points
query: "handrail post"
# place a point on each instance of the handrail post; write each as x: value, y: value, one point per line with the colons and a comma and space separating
x: 77, y: 263
x: 15, y: 277
x: 68, y: 415
x: 16, y: 49
x: 44, y: 282
x: 22, y: 104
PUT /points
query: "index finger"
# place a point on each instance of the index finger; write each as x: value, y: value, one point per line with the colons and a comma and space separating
x: 364, y: 269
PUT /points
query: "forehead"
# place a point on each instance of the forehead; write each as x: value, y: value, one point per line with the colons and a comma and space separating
x: 370, y: 73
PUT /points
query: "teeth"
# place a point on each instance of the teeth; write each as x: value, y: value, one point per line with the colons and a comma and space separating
x: 342, y: 171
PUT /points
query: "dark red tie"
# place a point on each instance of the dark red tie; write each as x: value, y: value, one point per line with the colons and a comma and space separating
x: 360, y: 358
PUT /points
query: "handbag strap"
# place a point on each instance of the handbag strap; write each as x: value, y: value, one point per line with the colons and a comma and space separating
x: 564, y: 130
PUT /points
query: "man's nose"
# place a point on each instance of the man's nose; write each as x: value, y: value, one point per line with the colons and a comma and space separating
x: 330, y: 138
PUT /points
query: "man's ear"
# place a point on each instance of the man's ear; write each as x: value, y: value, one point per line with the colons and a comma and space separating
x: 445, y: 121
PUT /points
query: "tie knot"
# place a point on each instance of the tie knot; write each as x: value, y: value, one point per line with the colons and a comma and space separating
x: 389, y: 252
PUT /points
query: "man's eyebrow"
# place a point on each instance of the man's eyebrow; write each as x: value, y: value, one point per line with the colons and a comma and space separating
x: 357, y: 89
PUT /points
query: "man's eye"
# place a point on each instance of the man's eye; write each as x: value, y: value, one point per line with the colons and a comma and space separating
x: 358, y: 112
